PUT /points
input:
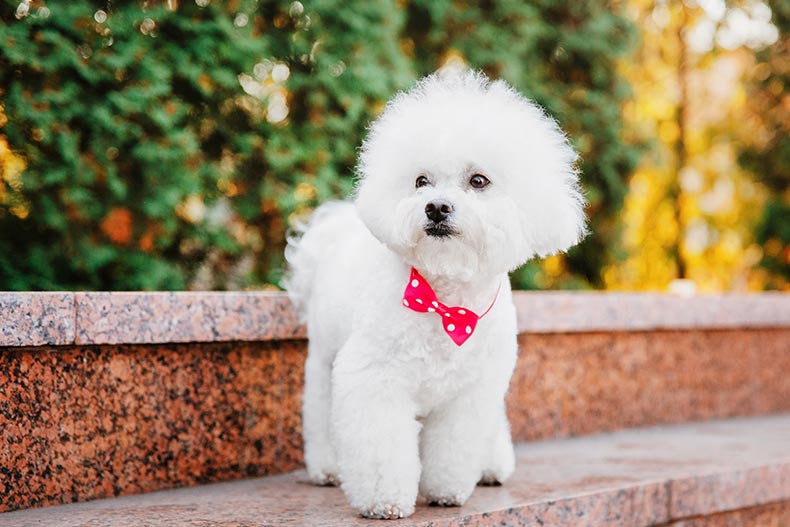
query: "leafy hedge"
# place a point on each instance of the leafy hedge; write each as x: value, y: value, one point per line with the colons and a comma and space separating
x: 166, y: 145
x: 769, y: 157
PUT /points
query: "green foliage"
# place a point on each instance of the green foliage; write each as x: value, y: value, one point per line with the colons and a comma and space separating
x: 563, y: 55
x: 110, y: 118
x: 159, y: 155
x: 773, y: 232
x: 770, y: 158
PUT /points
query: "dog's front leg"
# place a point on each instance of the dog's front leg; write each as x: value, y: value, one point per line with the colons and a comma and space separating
x: 375, y: 432
x: 454, y: 444
x: 501, y: 459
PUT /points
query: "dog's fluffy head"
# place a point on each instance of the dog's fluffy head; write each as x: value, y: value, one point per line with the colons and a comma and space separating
x: 429, y: 148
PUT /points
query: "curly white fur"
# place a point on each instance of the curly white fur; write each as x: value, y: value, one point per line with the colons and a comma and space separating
x: 392, y: 406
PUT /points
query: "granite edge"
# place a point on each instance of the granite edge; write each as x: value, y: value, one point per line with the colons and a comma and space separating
x: 37, y: 319
x: 741, y: 487
x: 538, y: 312
x: 633, y: 493
x: 675, y: 493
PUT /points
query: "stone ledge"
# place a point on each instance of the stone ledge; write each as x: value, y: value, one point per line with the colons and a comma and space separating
x: 35, y: 319
x: 89, y: 422
x: 152, y: 318
x: 566, y: 312
x: 771, y: 515
x: 635, y: 478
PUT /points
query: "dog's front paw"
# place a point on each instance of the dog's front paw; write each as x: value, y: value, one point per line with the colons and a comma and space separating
x: 490, y: 479
x: 446, y: 493
x: 447, y: 486
x: 385, y: 502
x: 501, y: 465
x: 447, y: 499
x: 388, y: 511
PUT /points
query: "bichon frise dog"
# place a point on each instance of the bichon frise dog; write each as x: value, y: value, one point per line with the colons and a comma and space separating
x: 405, y: 291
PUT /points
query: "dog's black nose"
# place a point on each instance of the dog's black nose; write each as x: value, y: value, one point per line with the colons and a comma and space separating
x: 438, y: 209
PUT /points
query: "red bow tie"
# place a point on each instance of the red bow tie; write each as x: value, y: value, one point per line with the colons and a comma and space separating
x: 459, y: 323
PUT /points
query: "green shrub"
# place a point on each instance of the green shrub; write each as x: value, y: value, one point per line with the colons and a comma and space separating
x: 167, y: 145
x: 769, y: 156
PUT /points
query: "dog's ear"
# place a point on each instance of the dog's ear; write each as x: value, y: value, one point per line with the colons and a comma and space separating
x: 373, y: 204
x: 556, y: 222
x: 551, y: 202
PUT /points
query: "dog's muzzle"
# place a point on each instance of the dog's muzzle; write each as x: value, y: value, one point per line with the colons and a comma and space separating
x: 438, y: 210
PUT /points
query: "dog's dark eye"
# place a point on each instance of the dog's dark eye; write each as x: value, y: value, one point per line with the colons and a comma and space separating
x: 479, y: 181
x: 421, y: 182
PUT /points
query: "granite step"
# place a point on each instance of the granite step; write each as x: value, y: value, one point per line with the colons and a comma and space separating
x: 720, y: 473
x: 110, y: 394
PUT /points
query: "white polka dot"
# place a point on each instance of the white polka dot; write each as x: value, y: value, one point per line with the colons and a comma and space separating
x: 431, y: 310
x: 447, y: 314
x: 419, y: 301
x: 414, y: 283
x: 435, y: 303
x: 405, y: 302
x: 450, y: 327
x: 468, y: 330
x: 460, y: 311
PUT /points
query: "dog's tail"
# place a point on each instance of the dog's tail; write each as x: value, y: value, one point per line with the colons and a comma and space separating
x: 309, y: 242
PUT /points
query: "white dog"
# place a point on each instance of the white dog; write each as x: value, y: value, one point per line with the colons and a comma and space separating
x: 461, y: 181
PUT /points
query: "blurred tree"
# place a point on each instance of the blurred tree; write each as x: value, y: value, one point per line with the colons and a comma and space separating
x: 690, y: 209
x: 563, y: 55
x: 767, y: 151
x: 123, y: 117
x: 159, y: 147
x: 167, y: 144
x: 343, y: 63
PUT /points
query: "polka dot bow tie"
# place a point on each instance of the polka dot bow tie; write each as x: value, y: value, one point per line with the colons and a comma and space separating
x: 459, y: 323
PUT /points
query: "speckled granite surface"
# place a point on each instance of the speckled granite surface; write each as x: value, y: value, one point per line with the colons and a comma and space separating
x: 90, y: 422
x: 33, y: 319
x: 625, y: 479
x: 84, y: 422
x: 129, y: 318
x: 771, y: 515
x: 582, y: 383
x: 559, y: 312
x: 36, y: 319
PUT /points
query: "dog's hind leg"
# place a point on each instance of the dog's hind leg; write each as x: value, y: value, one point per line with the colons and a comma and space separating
x: 319, y: 453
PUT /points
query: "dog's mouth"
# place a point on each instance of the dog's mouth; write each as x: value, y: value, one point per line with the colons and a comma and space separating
x: 439, y: 230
